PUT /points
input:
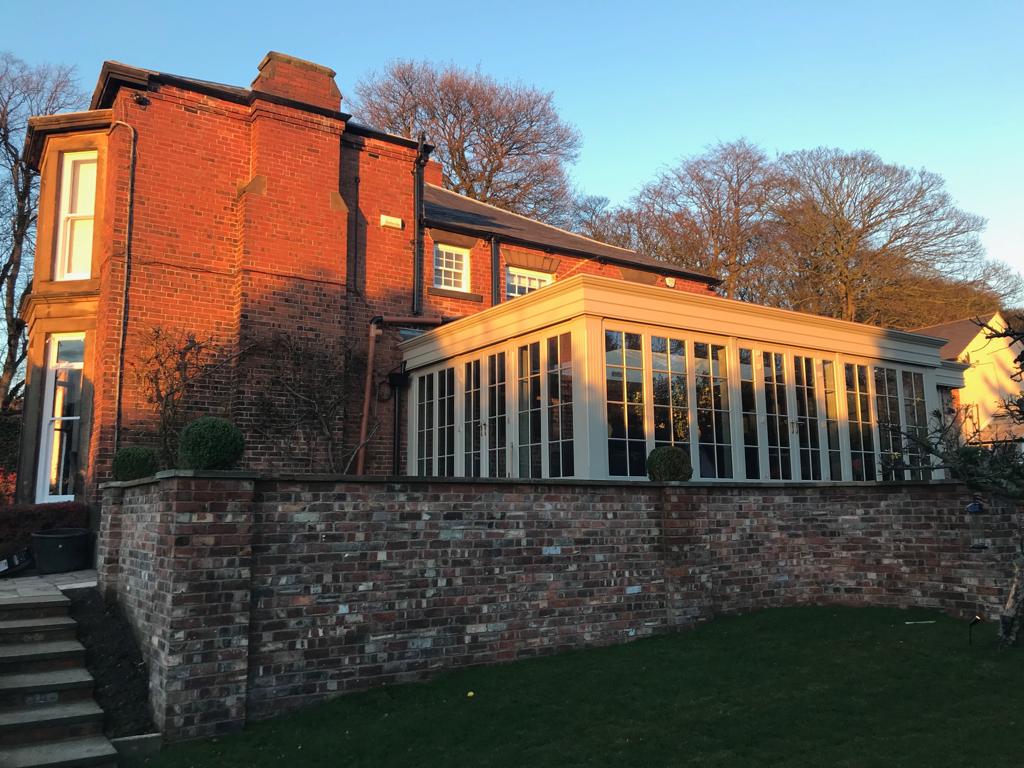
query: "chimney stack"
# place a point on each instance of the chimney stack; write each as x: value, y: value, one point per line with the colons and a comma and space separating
x: 298, y: 80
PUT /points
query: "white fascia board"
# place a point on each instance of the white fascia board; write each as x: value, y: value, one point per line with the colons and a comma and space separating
x: 552, y: 304
x: 635, y: 303
x: 951, y: 374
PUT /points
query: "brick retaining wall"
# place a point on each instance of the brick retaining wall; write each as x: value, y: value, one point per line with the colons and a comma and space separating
x: 253, y: 596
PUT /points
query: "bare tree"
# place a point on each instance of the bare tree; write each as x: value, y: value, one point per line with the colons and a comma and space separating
x: 859, y: 231
x: 25, y: 90
x: 711, y: 213
x: 500, y: 143
x: 304, y: 408
x: 169, y: 369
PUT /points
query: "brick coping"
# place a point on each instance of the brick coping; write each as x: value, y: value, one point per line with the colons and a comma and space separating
x: 518, y: 481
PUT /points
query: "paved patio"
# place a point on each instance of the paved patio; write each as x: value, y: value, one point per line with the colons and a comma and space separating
x: 38, y: 585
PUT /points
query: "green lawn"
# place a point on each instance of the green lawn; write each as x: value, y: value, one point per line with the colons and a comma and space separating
x: 788, y: 687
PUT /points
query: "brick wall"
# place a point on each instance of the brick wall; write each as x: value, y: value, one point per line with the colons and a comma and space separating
x: 253, y: 219
x: 256, y: 596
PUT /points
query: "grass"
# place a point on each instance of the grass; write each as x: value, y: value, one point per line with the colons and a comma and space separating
x: 786, y: 687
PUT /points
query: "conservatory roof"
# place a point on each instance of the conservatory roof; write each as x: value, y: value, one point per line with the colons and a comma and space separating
x: 610, y: 299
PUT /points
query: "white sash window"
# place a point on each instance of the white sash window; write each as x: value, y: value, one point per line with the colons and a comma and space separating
x: 75, y: 218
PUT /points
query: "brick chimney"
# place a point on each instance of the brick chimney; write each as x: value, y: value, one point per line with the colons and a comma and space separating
x: 299, y: 80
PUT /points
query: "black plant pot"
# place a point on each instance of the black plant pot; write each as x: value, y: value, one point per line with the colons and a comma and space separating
x: 61, y: 549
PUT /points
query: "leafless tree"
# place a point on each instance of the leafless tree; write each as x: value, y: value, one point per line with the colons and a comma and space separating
x: 711, y: 213
x: 25, y: 90
x: 169, y: 369
x: 859, y: 232
x: 303, y: 409
x: 502, y: 143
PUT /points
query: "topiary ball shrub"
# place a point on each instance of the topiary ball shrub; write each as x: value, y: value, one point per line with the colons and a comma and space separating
x: 669, y: 463
x: 210, y: 443
x: 133, y: 463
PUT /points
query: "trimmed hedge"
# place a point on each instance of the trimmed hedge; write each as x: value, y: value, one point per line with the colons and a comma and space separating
x: 210, y: 443
x: 669, y: 463
x: 18, y: 522
x: 10, y: 440
x: 134, y: 462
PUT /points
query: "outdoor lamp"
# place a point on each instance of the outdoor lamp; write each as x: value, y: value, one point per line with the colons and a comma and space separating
x: 970, y: 628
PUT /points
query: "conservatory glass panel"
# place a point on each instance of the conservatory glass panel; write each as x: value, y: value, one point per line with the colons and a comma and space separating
x: 624, y: 381
x: 561, y: 461
x: 529, y: 411
x: 711, y: 399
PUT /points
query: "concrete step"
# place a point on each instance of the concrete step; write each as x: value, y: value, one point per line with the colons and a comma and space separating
x: 37, y: 630
x: 33, y: 606
x: 41, y: 657
x: 35, y: 689
x: 34, y: 725
x: 70, y: 753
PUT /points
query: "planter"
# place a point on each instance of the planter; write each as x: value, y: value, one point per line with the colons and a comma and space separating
x: 61, y: 549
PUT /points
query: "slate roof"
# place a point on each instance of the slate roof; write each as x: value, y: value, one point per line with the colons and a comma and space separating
x: 115, y: 74
x: 443, y: 209
x: 451, y: 211
x: 958, y: 334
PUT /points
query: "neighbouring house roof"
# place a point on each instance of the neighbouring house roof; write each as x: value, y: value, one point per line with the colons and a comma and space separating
x: 451, y: 211
x: 958, y: 334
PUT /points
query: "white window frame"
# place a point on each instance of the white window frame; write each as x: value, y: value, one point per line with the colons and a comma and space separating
x: 590, y: 399
x: 66, y: 217
x: 43, y: 495
x: 439, y: 270
x: 511, y: 349
x: 545, y: 279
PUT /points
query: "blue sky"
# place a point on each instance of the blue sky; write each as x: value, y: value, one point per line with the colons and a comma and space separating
x: 932, y: 84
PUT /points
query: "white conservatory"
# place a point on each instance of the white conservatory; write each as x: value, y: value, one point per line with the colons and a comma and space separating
x: 583, y: 378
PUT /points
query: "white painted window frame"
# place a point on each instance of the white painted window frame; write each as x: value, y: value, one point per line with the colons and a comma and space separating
x: 590, y: 397
x: 47, y: 418
x: 511, y: 350
x: 464, y: 283
x: 545, y: 279
x: 66, y: 217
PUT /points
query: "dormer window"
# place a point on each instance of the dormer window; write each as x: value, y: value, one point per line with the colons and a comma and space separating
x: 77, y: 205
x: 451, y: 267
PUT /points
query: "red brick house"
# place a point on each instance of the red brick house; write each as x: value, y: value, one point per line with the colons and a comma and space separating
x: 239, y: 214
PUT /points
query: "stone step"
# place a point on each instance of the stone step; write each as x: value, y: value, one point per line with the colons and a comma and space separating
x: 35, y: 689
x: 70, y: 753
x: 34, y: 725
x: 41, y: 657
x: 37, y: 630
x: 33, y: 606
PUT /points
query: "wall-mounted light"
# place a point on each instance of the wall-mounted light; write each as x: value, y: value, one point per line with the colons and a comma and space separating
x: 670, y: 282
x: 390, y: 222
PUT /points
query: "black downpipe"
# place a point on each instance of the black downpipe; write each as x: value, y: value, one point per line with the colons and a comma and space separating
x: 495, y: 272
x: 422, y: 153
x: 129, y: 227
x: 396, y: 435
